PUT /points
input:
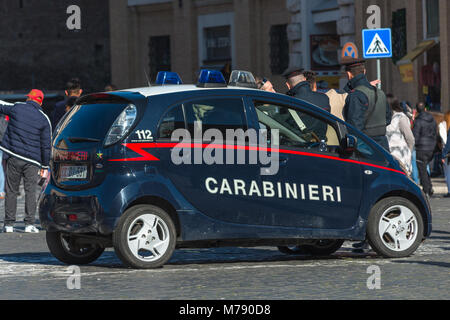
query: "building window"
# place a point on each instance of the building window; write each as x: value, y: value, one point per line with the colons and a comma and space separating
x: 399, y: 44
x: 279, y: 49
x: 218, y: 43
x: 432, y: 11
x: 159, y: 54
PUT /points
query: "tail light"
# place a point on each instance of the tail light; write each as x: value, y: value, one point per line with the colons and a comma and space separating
x: 122, y: 125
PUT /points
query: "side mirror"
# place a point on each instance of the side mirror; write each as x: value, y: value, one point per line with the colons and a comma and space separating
x: 349, y: 144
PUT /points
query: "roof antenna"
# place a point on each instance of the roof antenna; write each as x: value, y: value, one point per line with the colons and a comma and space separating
x: 146, y: 76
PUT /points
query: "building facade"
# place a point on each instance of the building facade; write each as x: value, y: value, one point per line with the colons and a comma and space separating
x: 38, y: 50
x: 263, y: 36
x: 419, y: 68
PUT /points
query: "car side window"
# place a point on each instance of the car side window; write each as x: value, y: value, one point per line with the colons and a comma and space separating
x: 296, y: 128
x: 171, y: 121
x: 221, y: 114
x: 364, y: 150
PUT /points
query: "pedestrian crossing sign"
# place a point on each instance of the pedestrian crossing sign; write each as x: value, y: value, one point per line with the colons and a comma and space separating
x: 377, y: 43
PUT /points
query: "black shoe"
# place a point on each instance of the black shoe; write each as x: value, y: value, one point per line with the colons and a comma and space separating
x: 447, y: 195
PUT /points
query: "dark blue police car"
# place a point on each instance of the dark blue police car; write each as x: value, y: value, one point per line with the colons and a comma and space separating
x: 114, y: 181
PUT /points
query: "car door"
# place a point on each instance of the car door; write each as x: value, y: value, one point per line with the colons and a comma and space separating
x: 314, y: 187
x: 213, y: 187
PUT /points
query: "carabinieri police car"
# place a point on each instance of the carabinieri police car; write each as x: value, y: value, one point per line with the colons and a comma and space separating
x: 131, y: 170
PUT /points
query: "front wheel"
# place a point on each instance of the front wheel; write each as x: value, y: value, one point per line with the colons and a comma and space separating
x: 145, y: 237
x: 395, y: 227
x: 66, y: 249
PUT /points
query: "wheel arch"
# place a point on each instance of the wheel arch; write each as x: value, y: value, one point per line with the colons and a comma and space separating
x: 161, y: 203
x: 415, y: 200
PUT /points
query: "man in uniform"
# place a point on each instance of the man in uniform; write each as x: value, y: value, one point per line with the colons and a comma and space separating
x: 300, y: 88
x: 366, y: 107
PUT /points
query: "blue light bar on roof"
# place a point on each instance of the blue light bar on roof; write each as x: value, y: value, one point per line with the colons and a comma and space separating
x: 167, y: 77
x: 211, y: 79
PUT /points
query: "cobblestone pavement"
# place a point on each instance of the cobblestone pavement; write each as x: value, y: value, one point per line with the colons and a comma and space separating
x: 29, y: 271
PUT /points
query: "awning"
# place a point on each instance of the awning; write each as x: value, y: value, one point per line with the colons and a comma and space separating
x: 420, y: 49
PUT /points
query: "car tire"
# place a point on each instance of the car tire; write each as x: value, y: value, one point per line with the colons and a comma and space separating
x: 322, y: 247
x: 395, y: 227
x: 62, y: 248
x: 145, y: 237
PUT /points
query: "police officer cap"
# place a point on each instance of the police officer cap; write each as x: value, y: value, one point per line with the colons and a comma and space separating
x: 292, y: 72
x: 351, y: 62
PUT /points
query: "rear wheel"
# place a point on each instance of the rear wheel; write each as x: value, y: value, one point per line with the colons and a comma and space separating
x: 145, y: 237
x: 66, y: 249
x: 395, y: 227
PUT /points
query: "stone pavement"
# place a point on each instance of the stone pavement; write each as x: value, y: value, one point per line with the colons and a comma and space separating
x: 29, y: 271
x: 439, y: 186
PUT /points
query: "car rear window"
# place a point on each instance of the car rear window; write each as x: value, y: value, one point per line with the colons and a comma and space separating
x: 89, y: 121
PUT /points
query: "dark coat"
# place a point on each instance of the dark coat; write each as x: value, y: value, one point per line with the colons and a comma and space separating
x: 425, y: 132
x: 303, y: 91
x: 28, y: 135
x: 357, y: 103
x: 58, y: 112
x: 446, y: 150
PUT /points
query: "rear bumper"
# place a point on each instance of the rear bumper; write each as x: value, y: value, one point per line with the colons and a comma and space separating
x: 74, y: 214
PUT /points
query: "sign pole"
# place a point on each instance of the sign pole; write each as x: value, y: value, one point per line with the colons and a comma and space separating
x: 379, y: 73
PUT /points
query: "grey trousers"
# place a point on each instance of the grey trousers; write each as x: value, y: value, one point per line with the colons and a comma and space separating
x: 17, y: 169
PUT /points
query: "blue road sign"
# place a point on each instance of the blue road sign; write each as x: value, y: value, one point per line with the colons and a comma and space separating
x: 377, y: 43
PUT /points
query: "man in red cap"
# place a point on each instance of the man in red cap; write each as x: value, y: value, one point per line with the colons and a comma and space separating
x: 27, y: 145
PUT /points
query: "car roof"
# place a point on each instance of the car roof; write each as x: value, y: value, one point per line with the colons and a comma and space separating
x: 193, y: 89
x: 165, y: 89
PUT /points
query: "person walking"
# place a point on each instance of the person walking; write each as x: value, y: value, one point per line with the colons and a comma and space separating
x: 27, y: 143
x: 446, y: 154
x: 366, y: 107
x: 73, y: 90
x: 400, y: 137
x: 425, y: 134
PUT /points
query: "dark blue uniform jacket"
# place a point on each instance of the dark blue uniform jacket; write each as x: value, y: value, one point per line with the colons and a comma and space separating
x: 28, y: 135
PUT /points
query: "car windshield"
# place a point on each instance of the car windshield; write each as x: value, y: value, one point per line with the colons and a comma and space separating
x: 89, y: 121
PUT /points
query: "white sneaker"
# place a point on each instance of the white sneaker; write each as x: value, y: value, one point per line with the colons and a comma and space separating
x: 8, y: 229
x: 31, y: 229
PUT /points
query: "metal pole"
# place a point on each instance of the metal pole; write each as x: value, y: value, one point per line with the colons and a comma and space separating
x: 379, y: 72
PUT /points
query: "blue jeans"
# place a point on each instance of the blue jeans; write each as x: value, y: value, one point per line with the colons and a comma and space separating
x: 415, y: 172
x: 2, y: 174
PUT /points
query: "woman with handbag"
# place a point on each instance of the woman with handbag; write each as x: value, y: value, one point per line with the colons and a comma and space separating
x: 446, y: 155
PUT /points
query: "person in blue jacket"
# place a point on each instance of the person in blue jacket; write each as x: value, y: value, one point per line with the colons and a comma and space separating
x: 27, y: 146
